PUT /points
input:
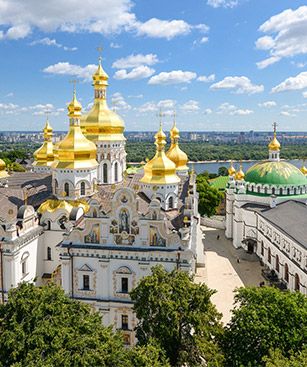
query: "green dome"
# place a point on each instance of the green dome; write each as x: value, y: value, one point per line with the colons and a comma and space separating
x: 275, y: 173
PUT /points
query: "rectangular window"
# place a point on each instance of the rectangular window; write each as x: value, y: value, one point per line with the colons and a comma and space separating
x: 86, y: 282
x: 125, y: 322
x: 48, y: 253
x: 124, y: 285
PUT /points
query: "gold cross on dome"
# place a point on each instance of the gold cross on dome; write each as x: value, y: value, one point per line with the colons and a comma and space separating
x: 161, y: 114
x: 74, y: 82
x: 275, y: 126
x: 99, y: 49
x: 47, y: 113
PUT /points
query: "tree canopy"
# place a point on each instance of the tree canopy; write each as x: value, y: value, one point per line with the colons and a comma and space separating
x: 209, y: 197
x: 179, y: 316
x: 264, y: 319
x: 277, y: 359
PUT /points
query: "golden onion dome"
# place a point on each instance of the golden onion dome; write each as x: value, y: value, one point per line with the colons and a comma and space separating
x: 231, y: 170
x: 75, y: 150
x: 44, y: 156
x: 3, y: 172
x: 175, y: 154
x: 160, y: 169
x: 274, y: 145
x: 303, y: 169
x: 101, y: 123
x: 240, y: 174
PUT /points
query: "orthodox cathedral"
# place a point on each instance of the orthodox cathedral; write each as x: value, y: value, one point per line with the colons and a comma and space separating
x: 266, y: 214
x: 81, y: 220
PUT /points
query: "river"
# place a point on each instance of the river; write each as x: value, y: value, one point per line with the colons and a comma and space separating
x: 212, y: 167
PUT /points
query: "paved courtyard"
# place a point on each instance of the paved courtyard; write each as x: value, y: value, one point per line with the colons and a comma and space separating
x: 226, y: 269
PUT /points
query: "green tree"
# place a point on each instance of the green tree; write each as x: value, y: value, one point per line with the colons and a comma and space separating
x: 17, y: 167
x: 150, y: 355
x: 222, y: 171
x: 264, y: 319
x: 179, y: 315
x: 41, y: 327
x: 209, y: 197
x: 277, y: 359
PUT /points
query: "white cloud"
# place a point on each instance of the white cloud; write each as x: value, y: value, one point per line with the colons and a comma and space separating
x: 286, y: 35
x: 172, y: 77
x: 137, y: 96
x: 8, y: 95
x: 166, y: 103
x: 223, y: 3
x: 147, y: 107
x: 36, y: 110
x: 168, y: 29
x: 208, y: 111
x: 293, y: 83
x: 206, y: 79
x: 204, y: 40
x: 190, y: 106
x: 19, y: 18
x: 115, y: 45
x: 305, y: 94
x: 133, y: 61
x: 139, y: 72
x: 52, y: 42
x: 118, y: 101
x: 65, y: 68
x: 287, y: 114
x: 238, y: 84
x: 268, y: 104
x: 229, y: 109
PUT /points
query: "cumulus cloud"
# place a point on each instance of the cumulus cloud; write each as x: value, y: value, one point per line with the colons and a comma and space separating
x: 286, y: 36
x: 268, y: 104
x: 223, y: 3
x: 172, y: 77
x: 166, y: 103
x: 305, y: 94
x: 206, y: 79
x: 133, y: 61
x: 229, y: 109
x: 208, y: 111
x: 65, y: 68
x: 18, y: 18
x: 119, y: 103
x: 137, y: 73
x: 190, y: 106
x: 147, y: 107
x: 115, y: 45
x: 52, y: 42
x: 293, y: 83
x: 38, y: 109
x: 238, y: 84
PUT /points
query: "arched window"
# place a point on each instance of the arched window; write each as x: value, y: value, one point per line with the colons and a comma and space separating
x: 262, y: 248
x: 269, y: 256
x: 294, y: 191
x: 116, y: 172
x: 286, y: 277
x: 66, y: 188
x: 288, y: 191
x: 24, y: 264
x: 277, y: 263
x: 258, y: 189
x: 49, y: 253
x: 82, y: 188
x: 273, y: 190
x: 170, y: 203
x: 265, y: 190
x: 297, y: 282
x: 94, y: 213
x: 280, y: 191
x: 105, y: 173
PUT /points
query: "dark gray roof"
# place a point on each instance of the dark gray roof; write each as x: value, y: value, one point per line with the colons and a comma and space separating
x: 291, y: 218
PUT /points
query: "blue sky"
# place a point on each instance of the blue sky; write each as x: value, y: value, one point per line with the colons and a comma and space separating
x: 221, y: 64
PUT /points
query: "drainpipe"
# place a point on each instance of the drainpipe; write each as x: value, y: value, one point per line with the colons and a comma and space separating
x: 2, y: 272
x: 72, y: 269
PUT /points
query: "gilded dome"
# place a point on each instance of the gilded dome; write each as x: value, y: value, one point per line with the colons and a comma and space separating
x: 175, y: 154
x: 160, y: 169
x: 3, y: 172
x: 75, y: 150
x: 240, y: 174
x: 44, y: 156
x: 274, y: 145
x: 101, y: 123
x: 231, y: 170
x: 275, y: 173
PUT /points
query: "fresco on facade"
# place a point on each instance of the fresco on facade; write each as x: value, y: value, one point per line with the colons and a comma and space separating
x: 94, y: 235
x: 155, y: 238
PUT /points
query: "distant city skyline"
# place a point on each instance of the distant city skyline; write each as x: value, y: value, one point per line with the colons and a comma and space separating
x: 223, y: 65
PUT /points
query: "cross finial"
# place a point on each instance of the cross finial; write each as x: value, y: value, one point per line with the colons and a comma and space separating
x: 161, y: 115
x: 47, y: 113
x: 74, y: 82
x: 174, y: 116
x: 99, y: 49
x: 275, y: 127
